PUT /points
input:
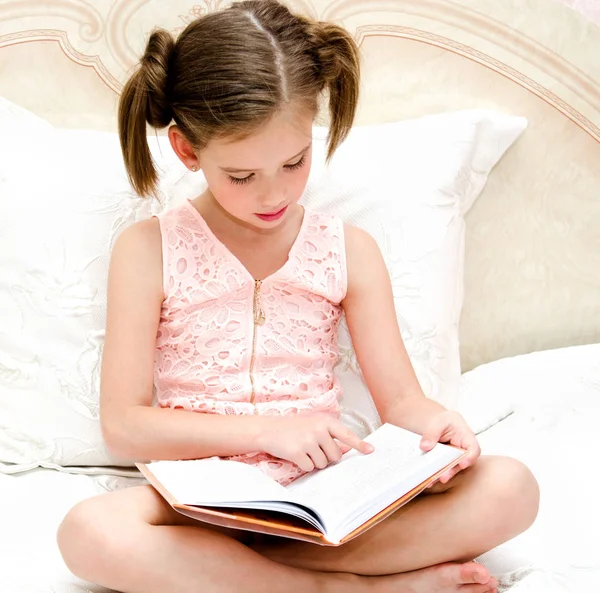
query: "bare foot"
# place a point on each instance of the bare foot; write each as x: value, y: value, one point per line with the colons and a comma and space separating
x: 443, y: 578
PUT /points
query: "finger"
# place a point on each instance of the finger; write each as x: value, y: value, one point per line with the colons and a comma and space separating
x: 432, y: 435
x: 434, y: 432
x: 475, y: 449
x: 473, y: 452
x: 467, y: 461
x: 304, y: 462
x: 346, y: 436
x: 318, y: 457
x: 447, y: 476
x: 343, y: 447
x: 332, y: 450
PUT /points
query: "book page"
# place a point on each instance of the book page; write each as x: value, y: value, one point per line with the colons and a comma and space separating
x: 360, y: 485
x: 216, y: 482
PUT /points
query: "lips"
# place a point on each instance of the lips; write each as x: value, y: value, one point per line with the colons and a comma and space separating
x: 272, y: 215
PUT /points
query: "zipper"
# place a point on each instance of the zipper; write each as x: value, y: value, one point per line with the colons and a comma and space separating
x: 259, y: 319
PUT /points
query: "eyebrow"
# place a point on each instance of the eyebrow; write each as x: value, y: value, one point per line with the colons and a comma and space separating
x: 235, y: 170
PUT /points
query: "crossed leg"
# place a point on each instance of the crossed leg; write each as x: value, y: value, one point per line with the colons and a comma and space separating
x: 132, y: 541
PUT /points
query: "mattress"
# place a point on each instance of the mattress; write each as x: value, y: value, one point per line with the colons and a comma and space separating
x: 544, y: 409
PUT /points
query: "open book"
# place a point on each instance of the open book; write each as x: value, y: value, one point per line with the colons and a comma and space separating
x: 328, y: 506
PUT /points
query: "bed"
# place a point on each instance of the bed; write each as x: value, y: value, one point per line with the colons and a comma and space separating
x: 529, y: 331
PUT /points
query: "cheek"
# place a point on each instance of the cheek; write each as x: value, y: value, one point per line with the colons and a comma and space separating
x: 222, y: 189
x: 300, y: 179
x: 300, y: 183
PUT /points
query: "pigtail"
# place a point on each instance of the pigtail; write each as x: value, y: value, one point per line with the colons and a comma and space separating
x: 145, y: 100
x: 339, y: 65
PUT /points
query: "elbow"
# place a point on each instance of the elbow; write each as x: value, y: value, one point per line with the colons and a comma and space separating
x: 115, y: 433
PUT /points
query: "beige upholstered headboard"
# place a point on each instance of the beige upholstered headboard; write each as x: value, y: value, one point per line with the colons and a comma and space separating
x: 533, y: 237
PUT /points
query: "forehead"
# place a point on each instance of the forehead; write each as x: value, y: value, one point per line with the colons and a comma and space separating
x: 282, y: 137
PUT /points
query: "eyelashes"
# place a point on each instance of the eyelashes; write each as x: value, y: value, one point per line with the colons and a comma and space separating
x: 296, y: 165
x: 293, y: 167
x: 240, y: 180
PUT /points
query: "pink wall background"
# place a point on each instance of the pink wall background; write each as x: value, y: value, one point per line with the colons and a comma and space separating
x: 589, y: 8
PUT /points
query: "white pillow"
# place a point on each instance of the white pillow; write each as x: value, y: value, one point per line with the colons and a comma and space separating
x: 407, y: 183
x: 61, y: 208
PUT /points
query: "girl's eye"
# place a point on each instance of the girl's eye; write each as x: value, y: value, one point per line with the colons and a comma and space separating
x: 292, y: 167
x: 296, y: 165
x: 241, y: 180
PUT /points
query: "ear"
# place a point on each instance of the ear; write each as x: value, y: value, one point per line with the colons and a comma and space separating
x: 183, y: 148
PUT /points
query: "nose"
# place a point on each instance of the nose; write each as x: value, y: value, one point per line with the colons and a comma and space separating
x: 271, y: 198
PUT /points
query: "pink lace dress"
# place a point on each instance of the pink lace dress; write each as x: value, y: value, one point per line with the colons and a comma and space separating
x: 230, y: 344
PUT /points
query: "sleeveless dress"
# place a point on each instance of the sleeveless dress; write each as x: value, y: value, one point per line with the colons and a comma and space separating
x: 231, y: 344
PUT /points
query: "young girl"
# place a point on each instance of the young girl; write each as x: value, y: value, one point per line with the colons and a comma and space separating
x: 228, y: 306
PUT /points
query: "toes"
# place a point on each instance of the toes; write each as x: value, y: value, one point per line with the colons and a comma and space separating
x: 471, y: 572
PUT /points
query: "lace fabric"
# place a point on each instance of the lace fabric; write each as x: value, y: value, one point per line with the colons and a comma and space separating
x: 211, y: 354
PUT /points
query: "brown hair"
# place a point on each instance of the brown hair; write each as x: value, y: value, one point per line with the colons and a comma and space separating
x: 231, y: 71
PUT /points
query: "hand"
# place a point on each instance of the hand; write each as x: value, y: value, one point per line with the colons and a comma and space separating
x: 450, y: 427
x: 308, y: 441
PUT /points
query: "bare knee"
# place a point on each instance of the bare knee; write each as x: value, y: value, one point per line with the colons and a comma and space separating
x: 86, y: 538
x: 514, y: 491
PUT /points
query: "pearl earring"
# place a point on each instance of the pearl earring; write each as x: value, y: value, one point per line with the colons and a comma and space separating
x: 194, y: 168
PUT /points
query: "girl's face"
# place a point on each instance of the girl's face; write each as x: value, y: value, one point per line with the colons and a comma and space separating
x: 256, y: 180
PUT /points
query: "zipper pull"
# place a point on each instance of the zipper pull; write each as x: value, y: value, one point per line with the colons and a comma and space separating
x: 259, y: 314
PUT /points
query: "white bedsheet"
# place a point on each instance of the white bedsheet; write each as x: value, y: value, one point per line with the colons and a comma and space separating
x: 31, y: 508
x: 553, y: 428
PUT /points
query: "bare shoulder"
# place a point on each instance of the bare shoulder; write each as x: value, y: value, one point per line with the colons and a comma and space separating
x: 364, y: 260
x: 357, y: 238
x: 141, y: 234
x: 137, y: 255
x: 360, y: 246
x: 140, y: 240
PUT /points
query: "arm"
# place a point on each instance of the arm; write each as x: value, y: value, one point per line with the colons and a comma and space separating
x: 131, y: 427
x: 371, y: 318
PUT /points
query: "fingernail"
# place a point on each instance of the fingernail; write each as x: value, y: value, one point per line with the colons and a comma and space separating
x: 426, y: 443
x: 369, y: 448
